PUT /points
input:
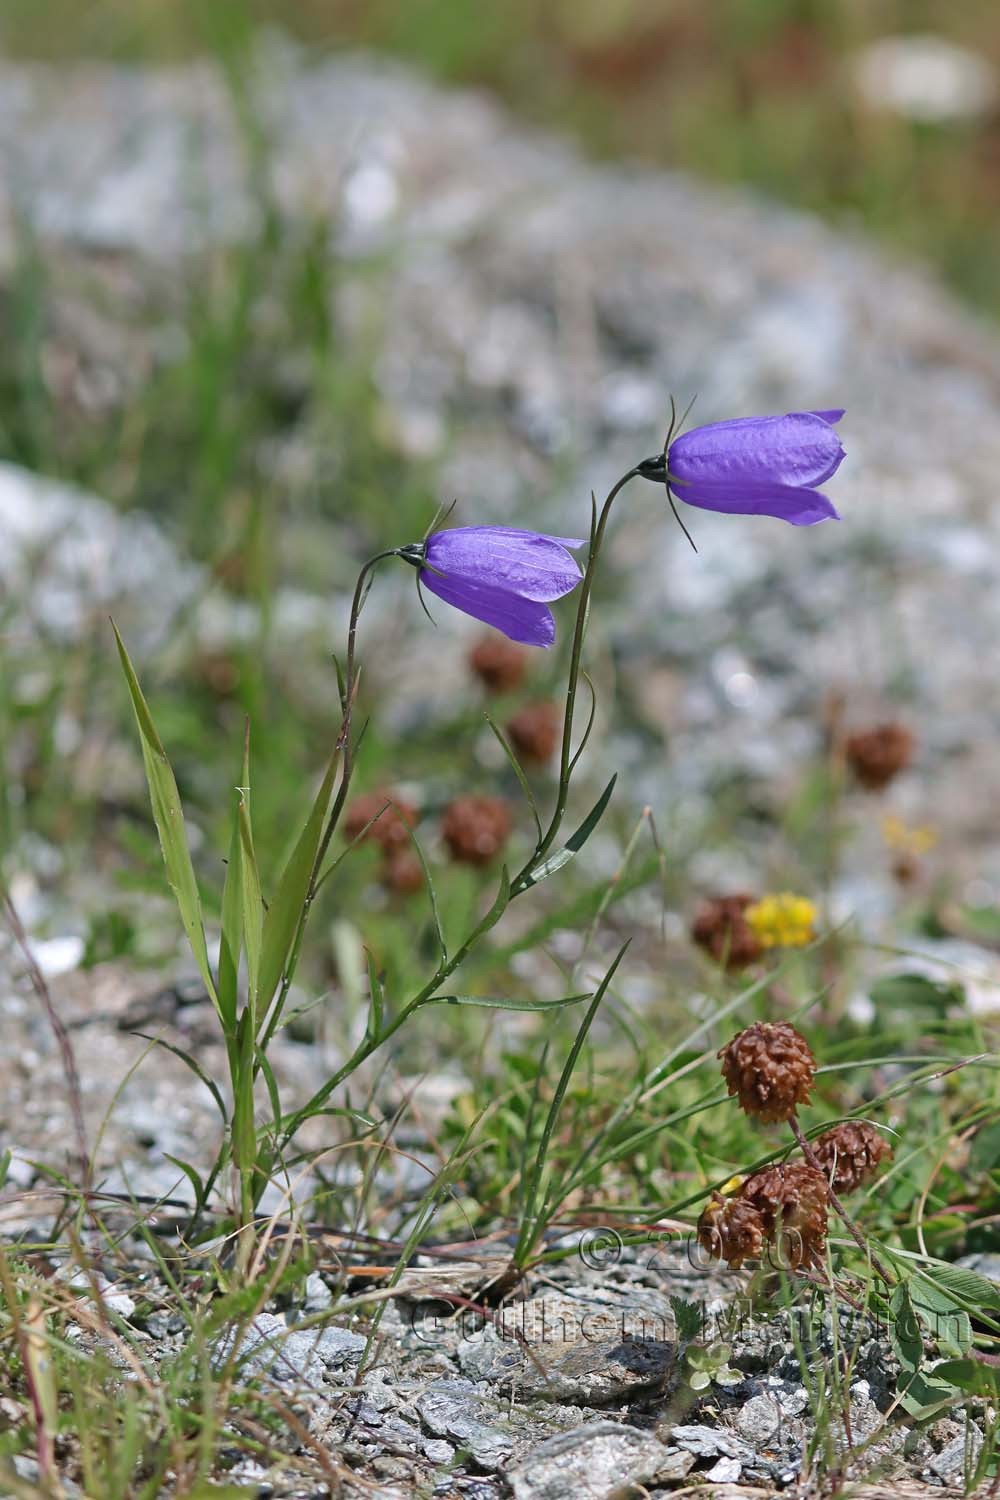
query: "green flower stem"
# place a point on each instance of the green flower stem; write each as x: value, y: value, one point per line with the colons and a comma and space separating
x: 573, y: 682
x: 520, y: 883
x: 346, y: 747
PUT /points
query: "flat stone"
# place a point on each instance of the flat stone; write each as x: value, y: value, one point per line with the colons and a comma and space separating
x: 269, y: 1347
x: 452, y: 1409
x: 724, y: 1471
x: 709, y: 1442
x: 759, y: 1420
x: 955, y: 1457
x: 592, y: 1462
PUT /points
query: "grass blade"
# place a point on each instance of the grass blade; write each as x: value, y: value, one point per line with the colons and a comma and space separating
x: 169, y: 818
x: 232, y: 909
x: 285, y: 912
x: 252, y: 904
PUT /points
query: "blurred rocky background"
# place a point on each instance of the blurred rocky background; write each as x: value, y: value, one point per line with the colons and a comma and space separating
x: 264, y: 307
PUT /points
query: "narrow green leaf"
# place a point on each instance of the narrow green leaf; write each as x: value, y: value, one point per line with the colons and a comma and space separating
x: 232, y: 908
x: 518, y: 770
x: 506, y: 1002
x: 193, y: 1177
x: 573, y: 844
x: 285, y: 911
x: 495, y: 912
x: 194, y: 1065
x: 244, y: 1134
x: 169, y: 818
x: 376, y: 998
x: 581, y: 747
x: 271, y: 1082
x: 533, y: 1220
x: 442, y: 941
x: 252, y: 905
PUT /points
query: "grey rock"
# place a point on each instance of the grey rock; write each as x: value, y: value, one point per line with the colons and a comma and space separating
x: 676, y: 1465
x: 437, y: 1450
x: 451, y: 1408
x: 958, y: 1456
x: 758, y: 1421
x: 588, y: 1345
x: 592, y: 1373
x: 724, y: 1471
x: 268, y: 1347
x: 318, y: 1295
x: 20, y: 1171
x: 508, y: 249
x: 709, y: 1442
x: 592, y: 1462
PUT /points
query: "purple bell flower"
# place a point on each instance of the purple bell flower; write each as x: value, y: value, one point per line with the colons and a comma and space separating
x: 502, y: 576
x: 759, y: 466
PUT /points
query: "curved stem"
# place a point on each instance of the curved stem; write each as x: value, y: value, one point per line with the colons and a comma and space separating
x: 520, y: 882
x: 573, y: 681
x: 346, y: 747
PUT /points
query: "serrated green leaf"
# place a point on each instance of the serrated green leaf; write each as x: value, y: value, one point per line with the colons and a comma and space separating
x: 168, y: 816
x: 573, y: 844
x: 285, y: 911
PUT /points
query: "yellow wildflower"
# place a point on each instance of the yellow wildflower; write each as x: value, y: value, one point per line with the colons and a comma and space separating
x: 782, y: 920
x: 902, y: 839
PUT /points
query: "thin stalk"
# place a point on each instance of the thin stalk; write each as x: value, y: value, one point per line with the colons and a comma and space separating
x: 346, y: 747
x: 573, y: 681
x: 520, y: 882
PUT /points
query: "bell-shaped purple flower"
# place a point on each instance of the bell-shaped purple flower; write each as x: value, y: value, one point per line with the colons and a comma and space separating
x: 759, y: 466
x: 502, y: 576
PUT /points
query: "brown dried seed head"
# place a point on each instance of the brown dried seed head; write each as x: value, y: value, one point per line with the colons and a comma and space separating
x: 720, y: 927
x: 793, y: 1203
x: 877, y: 755
x: 850, y: 1153
x: 498, y: 663
x: 476, y: 828
x: 389, y: 830
x: 731, y: 1229
x: 402, y: 872
x: 534, y: 731
x: 770, y: 1068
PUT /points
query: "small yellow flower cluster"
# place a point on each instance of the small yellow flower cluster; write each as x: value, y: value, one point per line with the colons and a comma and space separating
x: 782, y: 920
x: 903, y: 839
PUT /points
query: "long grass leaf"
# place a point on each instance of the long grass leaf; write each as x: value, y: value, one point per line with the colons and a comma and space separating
x: 285, y: 911
x: 169, y: 818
